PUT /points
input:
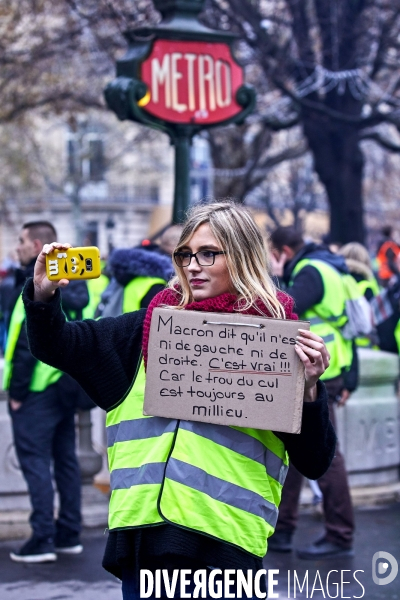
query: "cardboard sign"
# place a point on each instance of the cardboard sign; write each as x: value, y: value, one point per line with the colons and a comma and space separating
x: 229, y: 369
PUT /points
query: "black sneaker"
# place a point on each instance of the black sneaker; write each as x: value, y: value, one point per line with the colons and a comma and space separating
x: 281, y: 541
x: 35, y: 550
x: 68, y: 544
x: 322, y: 548
x: 69, y: 548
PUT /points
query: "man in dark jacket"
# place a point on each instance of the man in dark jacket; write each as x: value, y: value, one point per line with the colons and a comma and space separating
x: 312, y: 275
x: 42, y: 416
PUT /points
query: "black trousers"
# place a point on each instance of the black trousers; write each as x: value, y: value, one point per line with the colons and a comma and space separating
x: 338, y: 510
x: 44, y: 438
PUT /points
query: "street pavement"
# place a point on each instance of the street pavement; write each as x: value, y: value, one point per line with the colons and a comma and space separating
x: 378, y: 529
x: 82, y: 577
x: 79, y: 577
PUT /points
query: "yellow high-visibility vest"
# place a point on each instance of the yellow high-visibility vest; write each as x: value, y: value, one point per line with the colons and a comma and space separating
x: 327, y: 317
x: 220, y: 481
x: 43, y: 375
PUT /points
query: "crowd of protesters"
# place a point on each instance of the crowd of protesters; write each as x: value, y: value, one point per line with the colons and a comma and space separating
x: 317, y: 278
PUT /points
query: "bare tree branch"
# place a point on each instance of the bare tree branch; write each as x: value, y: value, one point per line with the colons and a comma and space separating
x: 383, y: 141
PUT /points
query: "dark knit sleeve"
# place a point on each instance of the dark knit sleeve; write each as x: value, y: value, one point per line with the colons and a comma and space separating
x: 313, y: 449
x: 101, y: 355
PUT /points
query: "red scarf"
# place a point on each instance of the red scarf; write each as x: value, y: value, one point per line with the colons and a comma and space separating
x: 226, y: 303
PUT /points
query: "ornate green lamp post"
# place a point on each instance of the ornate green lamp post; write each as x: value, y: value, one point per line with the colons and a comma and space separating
x: 180, y: 77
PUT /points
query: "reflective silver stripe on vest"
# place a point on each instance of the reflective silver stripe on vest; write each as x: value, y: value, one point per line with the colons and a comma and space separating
x: 138, y: 429
x: 221, y: 490
x: 328, y: 338
x: 316, y: 321
x: 123, y: 479
x: 319, y: 321
x: 242, y: 443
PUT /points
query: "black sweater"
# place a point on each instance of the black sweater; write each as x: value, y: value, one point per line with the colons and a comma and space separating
x: 102, y: 356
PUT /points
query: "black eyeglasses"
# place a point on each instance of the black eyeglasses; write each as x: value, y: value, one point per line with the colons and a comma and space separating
x: 204, y: 258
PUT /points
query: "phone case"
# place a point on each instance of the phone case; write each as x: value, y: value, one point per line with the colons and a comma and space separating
x: 73, y: 263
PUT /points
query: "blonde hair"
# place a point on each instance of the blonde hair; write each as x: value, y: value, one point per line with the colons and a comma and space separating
x: 356, y: 251
x: 246, y: 255
x: 357, y: 259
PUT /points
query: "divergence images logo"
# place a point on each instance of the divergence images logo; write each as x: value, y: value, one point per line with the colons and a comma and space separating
x: 380, y: 568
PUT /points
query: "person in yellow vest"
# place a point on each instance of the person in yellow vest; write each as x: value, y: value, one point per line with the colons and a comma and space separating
x: 41, y: 402
x: 137, y: 276
x: 314, y: 278
x: 186, y: 495
x: 359, y: 265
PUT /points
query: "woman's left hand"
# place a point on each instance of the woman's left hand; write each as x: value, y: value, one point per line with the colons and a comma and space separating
x: 315, y: 357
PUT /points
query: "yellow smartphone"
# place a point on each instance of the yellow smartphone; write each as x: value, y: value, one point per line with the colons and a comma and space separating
x: 73, y: 263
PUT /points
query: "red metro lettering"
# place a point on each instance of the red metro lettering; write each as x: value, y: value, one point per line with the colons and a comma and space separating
x: 211, y: 78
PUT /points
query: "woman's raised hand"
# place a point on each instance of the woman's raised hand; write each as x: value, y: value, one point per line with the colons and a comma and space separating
x: 315, y: 357
x: 44, y: 288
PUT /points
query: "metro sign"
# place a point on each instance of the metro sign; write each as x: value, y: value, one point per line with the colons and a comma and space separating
x: 191, y: 82
x: 180, y: 77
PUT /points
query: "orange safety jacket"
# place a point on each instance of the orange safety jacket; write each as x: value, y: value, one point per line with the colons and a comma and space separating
x: 385, y: 271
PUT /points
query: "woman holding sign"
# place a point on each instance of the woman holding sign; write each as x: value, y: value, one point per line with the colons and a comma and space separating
x: 186, y: 495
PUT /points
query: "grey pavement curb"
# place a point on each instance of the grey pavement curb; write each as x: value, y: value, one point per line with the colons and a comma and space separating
x: 14, y: 524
